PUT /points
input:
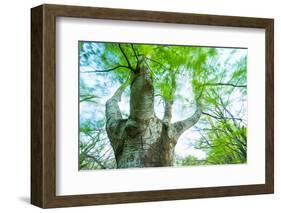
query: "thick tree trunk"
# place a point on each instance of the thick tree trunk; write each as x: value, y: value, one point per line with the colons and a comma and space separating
x: 143, y: 140
x: 145, y: 144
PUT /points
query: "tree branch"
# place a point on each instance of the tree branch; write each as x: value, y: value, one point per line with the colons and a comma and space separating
x: 167, y: 112
x: 96, y: 160
x: 107, y: 70
x: 222, y: 118
x: 112, y: 110
x: 213, y: 116
x: 135, y: 53
x: 126, y: 58
x: 223, y: 84
x: 181, y: 126
x: 114, y: 118
x: 88, y: 98
x: 155, y: 62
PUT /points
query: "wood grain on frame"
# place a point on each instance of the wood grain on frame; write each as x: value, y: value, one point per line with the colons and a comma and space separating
x: 43, y: 105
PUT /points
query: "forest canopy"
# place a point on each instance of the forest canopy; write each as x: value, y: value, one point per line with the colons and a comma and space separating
x: 197, y: 97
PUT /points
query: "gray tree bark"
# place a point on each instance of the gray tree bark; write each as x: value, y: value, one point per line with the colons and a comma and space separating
x: 143, y: 140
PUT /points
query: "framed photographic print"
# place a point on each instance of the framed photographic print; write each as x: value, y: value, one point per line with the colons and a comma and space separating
x: 136, y: 106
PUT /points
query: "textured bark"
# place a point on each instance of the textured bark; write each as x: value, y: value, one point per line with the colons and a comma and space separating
x: 143, y: 140
x: 168, y: 112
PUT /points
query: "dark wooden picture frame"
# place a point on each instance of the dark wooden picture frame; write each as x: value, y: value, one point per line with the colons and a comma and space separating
x: 43, y: 105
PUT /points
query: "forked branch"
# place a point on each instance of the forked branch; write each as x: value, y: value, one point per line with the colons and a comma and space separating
x: 112, y: 110
x: 180, y: 127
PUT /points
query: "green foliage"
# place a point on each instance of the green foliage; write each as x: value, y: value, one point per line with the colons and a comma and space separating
x: 226, y: 144
x: 224, y: 136
x: 189, y: 160
x: 166, y: 63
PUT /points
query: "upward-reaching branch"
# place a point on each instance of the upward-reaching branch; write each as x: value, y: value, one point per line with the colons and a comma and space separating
x: 181, y: 126
x: 114, y: 119
x: 167, y: 112
x: 112, y: 110
x: 135, y: 52
x: 126, y: 57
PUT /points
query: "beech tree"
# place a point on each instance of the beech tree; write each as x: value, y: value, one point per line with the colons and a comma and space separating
x: 141, y: 138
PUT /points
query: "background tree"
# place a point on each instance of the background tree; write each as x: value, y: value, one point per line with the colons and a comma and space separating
x: 224, y: 135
